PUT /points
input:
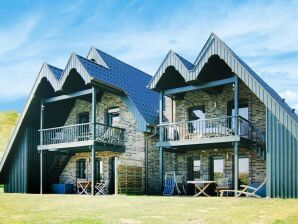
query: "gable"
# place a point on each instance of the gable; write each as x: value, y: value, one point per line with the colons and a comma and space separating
x: 214, y: 46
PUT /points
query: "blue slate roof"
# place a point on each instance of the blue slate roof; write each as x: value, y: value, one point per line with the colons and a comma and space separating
x: 271, y: 91
x: 187, y: 64
x: 129, y: 79
x: 56, y: 71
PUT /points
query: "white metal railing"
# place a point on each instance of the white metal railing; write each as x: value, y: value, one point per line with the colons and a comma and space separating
x: 82, y: 132
x: 209, y: 128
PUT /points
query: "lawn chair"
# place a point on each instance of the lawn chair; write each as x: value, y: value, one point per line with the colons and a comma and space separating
x: 180, y: 184
x: 248, y: 191
x: 222, y: 184
x: 170, y: 184
x: 102, y: 187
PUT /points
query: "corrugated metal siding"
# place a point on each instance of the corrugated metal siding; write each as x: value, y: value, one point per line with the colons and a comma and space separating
x: 16, y: 179
x: 282, y: 157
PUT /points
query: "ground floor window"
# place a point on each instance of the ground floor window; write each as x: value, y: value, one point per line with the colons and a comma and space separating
x: 244, y: 170
x: 81, y: 169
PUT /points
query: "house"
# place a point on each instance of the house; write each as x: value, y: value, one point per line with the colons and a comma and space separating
x: 101, y: 118
x: 219, y: 119
x: 89, y: 121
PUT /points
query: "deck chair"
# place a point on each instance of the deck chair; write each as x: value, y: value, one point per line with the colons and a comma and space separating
x: 102, y: 187
x: 170, y: 184
x: 248, y: 191
x: 180, y: 184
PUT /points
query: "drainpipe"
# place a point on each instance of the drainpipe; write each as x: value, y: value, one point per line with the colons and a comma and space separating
x: 146, y: 158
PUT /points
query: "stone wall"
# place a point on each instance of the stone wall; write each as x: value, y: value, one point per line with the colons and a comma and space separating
x: 134, y: 140
x: 217, y: 105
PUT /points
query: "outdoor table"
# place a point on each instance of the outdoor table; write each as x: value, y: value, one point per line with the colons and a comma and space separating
x: 84, y: 185
x: 202, y: 190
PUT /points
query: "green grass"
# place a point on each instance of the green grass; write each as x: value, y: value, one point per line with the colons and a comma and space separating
x: 22, y: 208
x: 7, y: 123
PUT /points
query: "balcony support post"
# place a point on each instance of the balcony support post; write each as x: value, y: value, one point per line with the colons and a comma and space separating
x: 161, y: 105
x: 93, y: 155
x: 41, y: 143
x: 236, y: 130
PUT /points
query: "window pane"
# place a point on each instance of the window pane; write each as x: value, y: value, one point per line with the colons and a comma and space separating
x: 113, y: 117
x: 244, y: 170
x: 197, y: 169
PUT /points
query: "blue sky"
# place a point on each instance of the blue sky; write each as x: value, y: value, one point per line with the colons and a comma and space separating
x: 264, y: 34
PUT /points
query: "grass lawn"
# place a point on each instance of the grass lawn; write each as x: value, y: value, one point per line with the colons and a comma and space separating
x: 22, y: 208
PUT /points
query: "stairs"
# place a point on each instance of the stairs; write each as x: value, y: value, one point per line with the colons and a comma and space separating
x: 56, y: 166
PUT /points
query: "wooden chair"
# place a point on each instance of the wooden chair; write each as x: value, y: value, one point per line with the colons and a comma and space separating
x: 222, y: 184
x: 83, y: 186
x: 102, y: 187
x: 248, y: 191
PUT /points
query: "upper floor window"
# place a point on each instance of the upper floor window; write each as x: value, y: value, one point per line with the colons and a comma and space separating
x: 83, y: 118
x: 113, y: 118
x: 197, y: 113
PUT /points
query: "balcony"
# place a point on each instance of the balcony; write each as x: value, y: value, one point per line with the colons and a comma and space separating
x: 80, y: 135
x: 208, y: 131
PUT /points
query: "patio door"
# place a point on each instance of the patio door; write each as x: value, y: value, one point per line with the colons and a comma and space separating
x: 216, y: 168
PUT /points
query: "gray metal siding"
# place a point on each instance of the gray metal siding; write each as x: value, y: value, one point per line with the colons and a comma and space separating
x: 21, y: 162
x: 16, y: 179
x: 282, y: 157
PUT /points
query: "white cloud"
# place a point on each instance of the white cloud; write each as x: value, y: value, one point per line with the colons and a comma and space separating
x: 291, y: 98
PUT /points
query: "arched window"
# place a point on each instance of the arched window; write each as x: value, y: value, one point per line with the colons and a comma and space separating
x: 113, y: 117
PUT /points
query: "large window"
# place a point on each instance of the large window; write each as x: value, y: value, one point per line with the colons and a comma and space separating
x: 243, y: 112
x: 81, y: 169
x: 217, y: 168
x: 244, y: 170
x: 113, y: 117
x: 195, y: 114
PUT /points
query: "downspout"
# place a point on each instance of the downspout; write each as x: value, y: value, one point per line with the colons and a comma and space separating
x: 146, y: 158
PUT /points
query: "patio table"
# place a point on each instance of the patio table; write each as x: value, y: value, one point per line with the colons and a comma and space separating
x: 198, y: 183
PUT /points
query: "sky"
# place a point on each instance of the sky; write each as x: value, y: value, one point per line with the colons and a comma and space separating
x: 263, y: 33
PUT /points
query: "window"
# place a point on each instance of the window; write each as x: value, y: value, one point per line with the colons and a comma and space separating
x: 217, y: 168
x: 243, y: 112
x: 195, y: 114
x: 244, y: 170
x: 113, y: 117
x: 196, y: 169
x: 83, y: 118
x: 98, y: 169
x: 81, y: 169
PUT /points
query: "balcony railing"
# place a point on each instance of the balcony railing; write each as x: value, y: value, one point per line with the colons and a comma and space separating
x: 209, y: 128
x: 82, y: 132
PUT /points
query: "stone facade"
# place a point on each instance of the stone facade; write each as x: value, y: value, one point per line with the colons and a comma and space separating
x: 215, y: 106
x: 134, y: 139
